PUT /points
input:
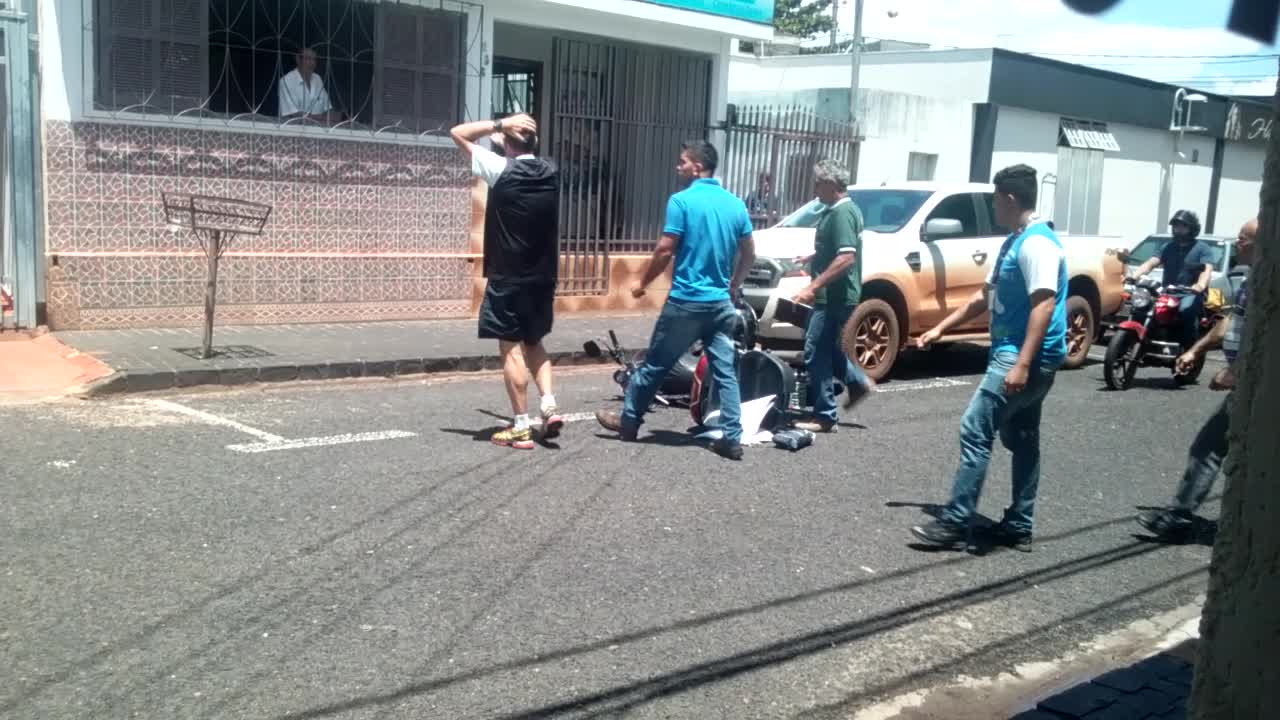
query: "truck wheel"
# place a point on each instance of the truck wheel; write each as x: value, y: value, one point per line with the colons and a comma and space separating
x: 872, y: 338
x: 1081, y: 331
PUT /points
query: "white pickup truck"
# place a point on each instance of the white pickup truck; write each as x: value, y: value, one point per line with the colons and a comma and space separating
x: 927, y: 247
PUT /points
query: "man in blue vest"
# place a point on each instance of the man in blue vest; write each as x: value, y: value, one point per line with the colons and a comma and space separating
x: 1027, y: 294
x: 708, y: 233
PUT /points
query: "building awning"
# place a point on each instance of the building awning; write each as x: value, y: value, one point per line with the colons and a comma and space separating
x: 1087, y: 135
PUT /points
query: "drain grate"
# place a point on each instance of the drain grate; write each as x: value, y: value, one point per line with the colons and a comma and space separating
x: 234, y: 352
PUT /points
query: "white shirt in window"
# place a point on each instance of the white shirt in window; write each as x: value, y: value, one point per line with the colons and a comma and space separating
x: 299, y: 97
x: 488, y: 165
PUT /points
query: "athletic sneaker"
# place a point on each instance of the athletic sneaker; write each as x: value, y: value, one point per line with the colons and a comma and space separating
x: 1167, y: 524
x: 942, y: 534
x: 1004, y: 535
x: 511, y: 437
x: 552, y: 423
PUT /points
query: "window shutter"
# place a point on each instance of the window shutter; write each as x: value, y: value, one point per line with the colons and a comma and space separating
x: 152, y: 46
x: 420, y: 61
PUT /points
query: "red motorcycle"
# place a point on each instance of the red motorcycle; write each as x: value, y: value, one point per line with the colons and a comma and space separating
x: 1152, y: 336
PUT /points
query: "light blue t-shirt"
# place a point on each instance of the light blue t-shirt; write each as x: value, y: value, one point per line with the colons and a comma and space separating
x: 1011, y: 296
x: 708, y: 220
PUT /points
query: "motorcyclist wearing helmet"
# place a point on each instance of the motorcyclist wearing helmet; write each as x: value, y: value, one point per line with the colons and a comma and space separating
x: 1187, y: 261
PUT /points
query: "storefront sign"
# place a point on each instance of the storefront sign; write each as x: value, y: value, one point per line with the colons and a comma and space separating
x: 1249, y: 123
x: 760, y: 11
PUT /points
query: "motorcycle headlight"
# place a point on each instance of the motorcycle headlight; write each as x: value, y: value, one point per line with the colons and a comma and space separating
x: 1141, y: 298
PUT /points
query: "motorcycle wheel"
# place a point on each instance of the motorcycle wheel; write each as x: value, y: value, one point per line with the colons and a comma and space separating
x: 1191, y: 377
x: 1121, y: 362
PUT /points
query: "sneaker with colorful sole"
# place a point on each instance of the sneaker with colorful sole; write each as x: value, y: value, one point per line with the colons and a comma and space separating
x: 520, y: 439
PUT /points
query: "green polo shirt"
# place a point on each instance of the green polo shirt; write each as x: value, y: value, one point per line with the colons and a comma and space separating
x: 839, y: 231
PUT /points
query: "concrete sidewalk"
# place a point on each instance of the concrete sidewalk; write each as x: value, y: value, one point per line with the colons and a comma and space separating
x: 158, y: 359
x: 36, y: 365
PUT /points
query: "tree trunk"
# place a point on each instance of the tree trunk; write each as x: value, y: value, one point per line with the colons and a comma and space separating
x: 1238, y: 670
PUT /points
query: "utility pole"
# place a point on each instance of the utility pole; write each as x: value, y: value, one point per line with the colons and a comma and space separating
x: 855, y: 63
x: 835, y: 25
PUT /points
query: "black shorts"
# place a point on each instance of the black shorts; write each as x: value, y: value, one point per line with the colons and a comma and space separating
x: 517, y: 312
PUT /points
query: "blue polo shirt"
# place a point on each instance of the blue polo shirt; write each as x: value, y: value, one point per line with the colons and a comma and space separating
x: 708, y: 221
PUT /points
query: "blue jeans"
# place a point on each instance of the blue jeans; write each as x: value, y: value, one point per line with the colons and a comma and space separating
x: 679, y: 324
x: 1204, y: 460
x: 823, y: 356
x: 1017, y: 420
x: 1189, y: 309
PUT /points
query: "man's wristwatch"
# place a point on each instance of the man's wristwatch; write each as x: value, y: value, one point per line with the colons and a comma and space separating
x: 497, y: 126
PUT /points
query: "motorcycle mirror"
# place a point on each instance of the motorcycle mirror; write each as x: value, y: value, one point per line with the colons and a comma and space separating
x: 613, y: 338
x: 592, y: 349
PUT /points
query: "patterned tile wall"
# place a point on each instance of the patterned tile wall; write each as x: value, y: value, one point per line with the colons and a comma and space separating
x: 359, y: 231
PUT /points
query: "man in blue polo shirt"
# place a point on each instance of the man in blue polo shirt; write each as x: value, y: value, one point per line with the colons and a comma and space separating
x: 708, y: 233
x: 1027, y: 294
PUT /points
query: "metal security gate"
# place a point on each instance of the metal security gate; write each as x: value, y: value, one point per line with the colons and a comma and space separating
x: 619, y: 114
x: 18, y: 242
x: 770, y: 152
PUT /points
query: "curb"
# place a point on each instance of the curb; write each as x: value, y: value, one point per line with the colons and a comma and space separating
x: 136, y: 381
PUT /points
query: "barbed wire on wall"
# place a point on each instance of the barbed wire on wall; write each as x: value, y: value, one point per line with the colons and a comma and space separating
x: 389, y: 68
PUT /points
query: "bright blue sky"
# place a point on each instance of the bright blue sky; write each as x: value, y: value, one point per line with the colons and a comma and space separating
x: 1122, y: 40
x: 1171, y: 13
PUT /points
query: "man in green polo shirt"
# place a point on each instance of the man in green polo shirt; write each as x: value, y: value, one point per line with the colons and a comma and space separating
x: 834, y: 292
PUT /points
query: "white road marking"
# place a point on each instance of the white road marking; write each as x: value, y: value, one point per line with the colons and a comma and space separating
x: 212, y: 419
x: 572, y: 417
x: 868, y: 570
x: 933, y: 384
x: 271, y: 441
x: 301, y: 443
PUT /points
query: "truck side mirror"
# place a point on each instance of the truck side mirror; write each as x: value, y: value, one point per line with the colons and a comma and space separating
x: 939, y: 228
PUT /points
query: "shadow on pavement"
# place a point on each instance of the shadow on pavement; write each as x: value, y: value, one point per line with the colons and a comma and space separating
x: 481, y: 435
x: 619, y: 699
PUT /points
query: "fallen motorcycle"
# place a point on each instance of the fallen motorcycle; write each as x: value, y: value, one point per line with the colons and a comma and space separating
x: 675, y: 386
x: 760, y: 373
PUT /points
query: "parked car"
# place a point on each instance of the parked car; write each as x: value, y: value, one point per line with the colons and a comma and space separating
x: 1224, y: 254
x: 927, y: 247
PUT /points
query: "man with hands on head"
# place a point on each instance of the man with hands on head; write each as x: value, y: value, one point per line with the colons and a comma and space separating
x: 521, y: 260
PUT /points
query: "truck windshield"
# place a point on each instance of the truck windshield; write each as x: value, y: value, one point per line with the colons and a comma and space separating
x: 1155, y: 243
x: 883, y: 211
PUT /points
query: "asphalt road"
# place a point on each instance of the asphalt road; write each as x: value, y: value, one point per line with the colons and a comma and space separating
x: 151, y: 571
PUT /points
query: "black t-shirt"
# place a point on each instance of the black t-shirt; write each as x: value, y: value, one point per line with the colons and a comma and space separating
x: 522, y: 224
x: 1183, y: 263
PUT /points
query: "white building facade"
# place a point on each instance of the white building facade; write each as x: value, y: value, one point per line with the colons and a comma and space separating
x: 1108, y: 161
x: 374, y: 212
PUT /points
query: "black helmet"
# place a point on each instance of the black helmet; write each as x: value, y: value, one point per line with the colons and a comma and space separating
x: 1188, y: 218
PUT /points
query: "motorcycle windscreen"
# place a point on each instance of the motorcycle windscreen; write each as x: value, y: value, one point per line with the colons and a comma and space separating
x: 760, y: 374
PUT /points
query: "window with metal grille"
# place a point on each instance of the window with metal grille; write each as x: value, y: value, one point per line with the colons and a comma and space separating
x: 152, y: 54
x: 383, y: 65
